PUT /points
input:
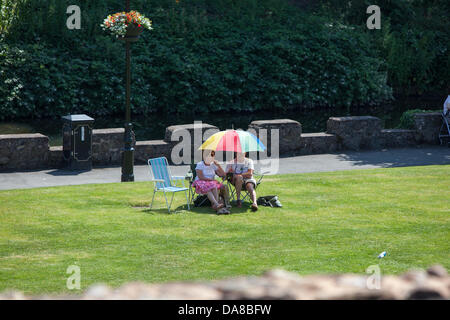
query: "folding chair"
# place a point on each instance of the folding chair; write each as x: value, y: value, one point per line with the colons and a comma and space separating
x: 192, y: 194
x: 257, y: 176
x: 164, y: 181
x: 444, y: 132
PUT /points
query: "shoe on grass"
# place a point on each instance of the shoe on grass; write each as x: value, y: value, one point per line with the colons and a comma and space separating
x: 223, y: 211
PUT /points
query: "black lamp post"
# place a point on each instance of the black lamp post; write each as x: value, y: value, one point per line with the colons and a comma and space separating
x: 129, y: 138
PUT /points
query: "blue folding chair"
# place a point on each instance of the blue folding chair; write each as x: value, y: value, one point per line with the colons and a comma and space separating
x: 164, y: 181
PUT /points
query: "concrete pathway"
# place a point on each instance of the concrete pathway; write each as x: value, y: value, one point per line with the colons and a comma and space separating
x: 386, y: 158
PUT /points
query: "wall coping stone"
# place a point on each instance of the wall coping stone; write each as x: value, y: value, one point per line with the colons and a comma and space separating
x: 151, y: 143
x: 276, y: 121
x: 317, y: 134
x: 108, y: 131
x: 23, y: 136
x: 189, y: 127
x: 398, y: 131
x: 353, y: 118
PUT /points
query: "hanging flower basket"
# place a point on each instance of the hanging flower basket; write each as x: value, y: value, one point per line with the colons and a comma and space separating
x: 126, y: 25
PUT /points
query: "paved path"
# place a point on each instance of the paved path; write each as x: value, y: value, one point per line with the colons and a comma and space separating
x: 386, y: 158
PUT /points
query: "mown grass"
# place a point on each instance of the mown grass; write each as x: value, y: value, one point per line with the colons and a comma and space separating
x: 331, y: 222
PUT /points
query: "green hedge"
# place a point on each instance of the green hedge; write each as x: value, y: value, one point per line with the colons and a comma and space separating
x: 195, y: 60
x: 407, y: 118
x: 223, y: 55
x: 413, y: 40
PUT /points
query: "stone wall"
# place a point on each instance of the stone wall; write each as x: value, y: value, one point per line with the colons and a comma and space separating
x: 320, y: 142
x: 31, y: 151
x: 395, y: 138
x: 355, y: 133
x: 107, y: 145
x: 145, y: 150
x: 434, y: 283
x: 289, y: 132
x: 427, y: 127
x: 23, y: 151
x: 197, y: 134
x: 56, y: 158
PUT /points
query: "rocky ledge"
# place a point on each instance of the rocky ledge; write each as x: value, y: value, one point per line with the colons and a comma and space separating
x: 434, y: 283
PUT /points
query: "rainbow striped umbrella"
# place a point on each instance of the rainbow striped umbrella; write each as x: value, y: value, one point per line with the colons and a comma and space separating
x: 233, y: 140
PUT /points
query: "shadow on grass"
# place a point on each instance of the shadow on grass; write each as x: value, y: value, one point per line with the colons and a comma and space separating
x: 197, y: 210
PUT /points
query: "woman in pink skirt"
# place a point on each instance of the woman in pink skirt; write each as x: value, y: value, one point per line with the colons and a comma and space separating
x: 205, y: 183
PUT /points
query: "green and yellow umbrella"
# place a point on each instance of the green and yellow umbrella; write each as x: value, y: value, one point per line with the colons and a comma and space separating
x: 234, y: 141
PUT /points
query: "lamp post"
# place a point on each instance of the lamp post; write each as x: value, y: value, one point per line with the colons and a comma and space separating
x: 129, y: 138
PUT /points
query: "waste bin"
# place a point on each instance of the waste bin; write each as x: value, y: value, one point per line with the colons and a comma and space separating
x: 77, y: 141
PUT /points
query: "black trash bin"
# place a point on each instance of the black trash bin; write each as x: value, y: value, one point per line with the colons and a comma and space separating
x: 77, y: 141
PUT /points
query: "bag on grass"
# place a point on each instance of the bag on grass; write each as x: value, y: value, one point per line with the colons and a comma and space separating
x: 202, y: 201
x: 269, y: 201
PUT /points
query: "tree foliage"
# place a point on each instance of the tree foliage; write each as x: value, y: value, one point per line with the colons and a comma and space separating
x: 207, y: 56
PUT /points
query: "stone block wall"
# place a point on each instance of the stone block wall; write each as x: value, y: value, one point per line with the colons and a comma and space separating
x: 355, y: 133
x: 32, y: 151
x: 145, y: 150
x: 55, y: 157
x: 197, y: 133
x: 320, y: 142
x: 396, y: 138
x: 427, y: 126
x: 23, y: 151
x: 289, y: 132
x: 107, y: 145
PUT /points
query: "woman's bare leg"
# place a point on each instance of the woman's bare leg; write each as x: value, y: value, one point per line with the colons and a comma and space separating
x: 225, y: 195
x: 211, y: 198
x: 238, y: 180
x: 215, y: 195
x: 252, y: 192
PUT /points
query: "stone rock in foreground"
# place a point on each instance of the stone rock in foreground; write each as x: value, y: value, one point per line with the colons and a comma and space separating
x: 276, y: 284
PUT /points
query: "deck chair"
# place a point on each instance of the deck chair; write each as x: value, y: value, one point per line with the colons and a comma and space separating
x: 444, y: 132
x: 164, y: 181
x: 246, y: 195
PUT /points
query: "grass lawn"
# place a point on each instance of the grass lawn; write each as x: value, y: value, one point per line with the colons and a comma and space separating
x: 331, y: 222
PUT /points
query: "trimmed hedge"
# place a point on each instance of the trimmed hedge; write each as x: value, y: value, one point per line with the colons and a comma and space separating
x: 195, y: 62
x: 407, y: 118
